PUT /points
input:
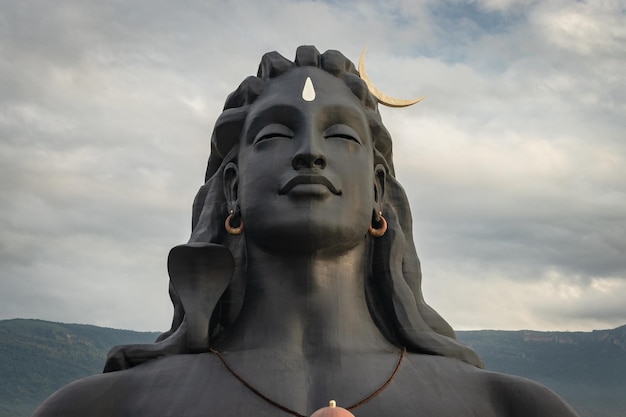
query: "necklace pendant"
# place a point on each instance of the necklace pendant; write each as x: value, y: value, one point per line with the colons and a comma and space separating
x: 332, y: 411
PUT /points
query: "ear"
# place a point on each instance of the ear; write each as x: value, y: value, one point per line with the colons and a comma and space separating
x: 380, y: 175
x: 231, y: 185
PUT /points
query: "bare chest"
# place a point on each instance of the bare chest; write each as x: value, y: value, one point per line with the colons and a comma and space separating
x: 204, y: 387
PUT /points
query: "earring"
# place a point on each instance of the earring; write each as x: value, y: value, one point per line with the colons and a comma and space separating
x: 229, y: 228
x: 381, y: 230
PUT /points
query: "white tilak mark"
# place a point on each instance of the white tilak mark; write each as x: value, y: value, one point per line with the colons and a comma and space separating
x: 308, y: 92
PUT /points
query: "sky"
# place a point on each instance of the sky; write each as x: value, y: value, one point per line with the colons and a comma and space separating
x: 514, y: 163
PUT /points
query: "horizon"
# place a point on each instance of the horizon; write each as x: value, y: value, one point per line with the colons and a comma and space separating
x: 456, y: 330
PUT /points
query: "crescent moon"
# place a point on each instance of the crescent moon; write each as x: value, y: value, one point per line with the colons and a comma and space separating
x: 382, y: 97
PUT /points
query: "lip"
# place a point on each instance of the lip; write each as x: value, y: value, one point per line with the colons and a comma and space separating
x: 306, y: 179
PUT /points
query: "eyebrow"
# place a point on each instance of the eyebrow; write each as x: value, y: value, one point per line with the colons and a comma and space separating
x: 286, y: 114
x: 278, y: 113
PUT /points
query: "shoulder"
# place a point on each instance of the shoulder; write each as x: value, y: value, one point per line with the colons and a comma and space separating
x: 86, y: 396
x: 149, y: 387
x: 506, y: 395
x: 517, y: 396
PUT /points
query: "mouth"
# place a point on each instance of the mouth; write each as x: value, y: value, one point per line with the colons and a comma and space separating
x: 306, y: 180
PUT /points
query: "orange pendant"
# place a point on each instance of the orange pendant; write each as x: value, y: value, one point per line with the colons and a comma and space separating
x: 332, y: 411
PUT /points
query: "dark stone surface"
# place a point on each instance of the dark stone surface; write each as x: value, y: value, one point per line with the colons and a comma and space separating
x: 304, y: 305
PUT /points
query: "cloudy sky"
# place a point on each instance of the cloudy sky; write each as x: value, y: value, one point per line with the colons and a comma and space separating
x: 514, y: 163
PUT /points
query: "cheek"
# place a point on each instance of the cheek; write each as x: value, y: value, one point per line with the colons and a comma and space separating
x: 358, y: 178
x: 254, y: 177
x: 358, y: 198
x: 253, y: 193
x: 359, y: 208
x: 258, y: 197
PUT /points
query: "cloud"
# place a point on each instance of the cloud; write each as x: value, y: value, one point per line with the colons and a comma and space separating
x: 514, y: 163
x: 488, y: 294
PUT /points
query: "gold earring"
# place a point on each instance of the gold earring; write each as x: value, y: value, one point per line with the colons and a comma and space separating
x: 229, y: 228
x: 381, y: 230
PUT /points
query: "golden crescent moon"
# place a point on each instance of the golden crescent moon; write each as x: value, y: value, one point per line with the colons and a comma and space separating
x: 382, y: 97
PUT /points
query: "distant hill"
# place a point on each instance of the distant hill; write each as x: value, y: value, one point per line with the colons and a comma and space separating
x: 587, y: 368
x: 38, y: 357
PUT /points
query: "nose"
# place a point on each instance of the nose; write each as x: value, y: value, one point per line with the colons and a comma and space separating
x: 309, y: 154
x: 308, y: 160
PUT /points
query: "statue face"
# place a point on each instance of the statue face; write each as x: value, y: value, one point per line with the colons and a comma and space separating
x: 305, y: 168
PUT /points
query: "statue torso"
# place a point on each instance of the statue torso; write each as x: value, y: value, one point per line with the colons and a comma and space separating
x: 199, y: 385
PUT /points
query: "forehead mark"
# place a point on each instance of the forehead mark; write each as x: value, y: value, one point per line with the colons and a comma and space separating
x: 308, y: 91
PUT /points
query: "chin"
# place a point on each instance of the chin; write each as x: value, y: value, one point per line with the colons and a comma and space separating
x: 308, y: 238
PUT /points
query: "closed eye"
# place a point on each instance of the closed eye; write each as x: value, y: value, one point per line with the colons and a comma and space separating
x: 341, y: 131
x: 272, y: 131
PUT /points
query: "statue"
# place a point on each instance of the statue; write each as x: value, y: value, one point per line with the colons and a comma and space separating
x: 300, y: 283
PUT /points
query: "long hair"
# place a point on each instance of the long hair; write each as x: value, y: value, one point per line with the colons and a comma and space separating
x: 393, y: 285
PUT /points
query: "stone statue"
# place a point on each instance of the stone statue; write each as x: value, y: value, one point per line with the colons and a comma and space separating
x: 300, y: 283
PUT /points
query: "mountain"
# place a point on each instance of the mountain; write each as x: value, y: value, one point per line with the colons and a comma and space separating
x: 38, y: 357
x: 588, y: 369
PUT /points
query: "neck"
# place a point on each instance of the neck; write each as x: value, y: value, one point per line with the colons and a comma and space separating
x: 310, y: 303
